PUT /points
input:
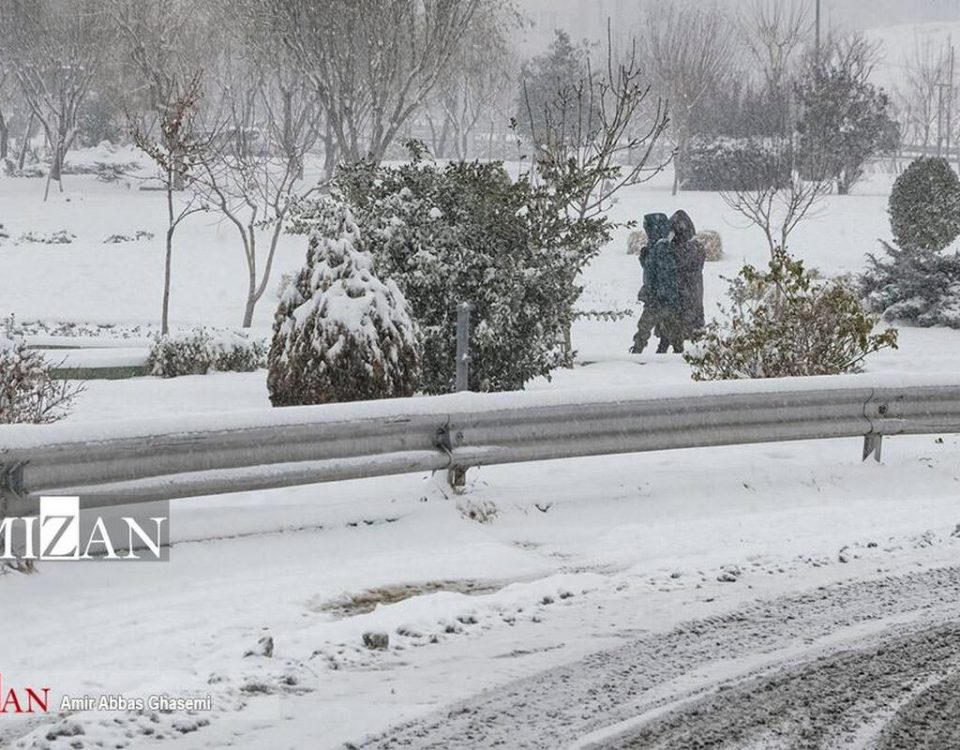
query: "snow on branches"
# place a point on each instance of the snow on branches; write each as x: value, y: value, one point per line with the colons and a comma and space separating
x: 340, y: 333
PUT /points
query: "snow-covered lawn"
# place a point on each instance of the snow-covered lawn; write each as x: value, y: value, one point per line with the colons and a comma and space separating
x: 580, y: 555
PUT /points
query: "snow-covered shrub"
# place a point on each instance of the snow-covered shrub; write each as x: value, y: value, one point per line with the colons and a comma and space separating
x: 116, y: 239
x: 712, y: 244
x: 28, y: 392
x: 710, y: 240
x: 60, y: 237
x: 200, y: 351
x: 340, y: 333
x: 468, y: 233
x: 925, y: 206
x: 786, y: 321
x: 921, y: 287
x: 236, y: 353
x: 636, y: 241
x: 723, y: 164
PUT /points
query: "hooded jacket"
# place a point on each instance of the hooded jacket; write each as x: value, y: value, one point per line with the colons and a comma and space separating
x: 659, y: 264
x: 690, y: 257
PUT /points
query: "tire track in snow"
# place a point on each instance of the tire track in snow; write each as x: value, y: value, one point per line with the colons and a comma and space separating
x: 686, y: 665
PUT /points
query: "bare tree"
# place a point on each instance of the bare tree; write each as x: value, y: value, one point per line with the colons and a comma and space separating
x: 775, y: 32
x: 268, y: 120
x: 926, y: 69
x: 478, y: 82
x: 769, y: 190
x: 165, y: 45
x: 691, y: 50
x: 602, y: 128
x: 55, y: 48
x: 373, y: 63
x: 253, y: 181
x: 177, y: 145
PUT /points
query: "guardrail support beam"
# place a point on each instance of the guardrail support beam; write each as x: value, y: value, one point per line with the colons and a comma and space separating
x: 11, y: 484
x: 872, y: 444
x: 457, y: 476
x: 463, y: 346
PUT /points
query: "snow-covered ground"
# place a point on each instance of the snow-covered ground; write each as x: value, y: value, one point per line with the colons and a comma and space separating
x: 579, y: 555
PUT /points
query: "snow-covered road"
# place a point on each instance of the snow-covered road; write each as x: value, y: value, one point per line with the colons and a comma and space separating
x: 600, y: 591
x: 867, y: 663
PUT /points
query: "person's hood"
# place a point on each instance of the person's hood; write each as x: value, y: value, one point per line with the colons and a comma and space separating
x: 683, y: 228
x: 657, y: 227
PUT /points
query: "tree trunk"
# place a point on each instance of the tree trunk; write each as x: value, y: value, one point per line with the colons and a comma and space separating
x: 683, y: 146
x: 441, y: 147
x: 4, y: 138
x: 255, y: 294
x: 56, y: 163
x: 251, y: 247
x: 168, y: 265
x: 250, y: 306
x: 21, y: 159
x: 329, y: 153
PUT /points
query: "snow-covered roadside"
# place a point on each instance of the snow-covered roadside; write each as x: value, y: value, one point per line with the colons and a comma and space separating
x: 582, y: 554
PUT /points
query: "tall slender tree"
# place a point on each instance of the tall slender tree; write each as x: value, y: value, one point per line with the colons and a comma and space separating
x: 373, y: 63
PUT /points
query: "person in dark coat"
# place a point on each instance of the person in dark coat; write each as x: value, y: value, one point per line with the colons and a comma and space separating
x: 660, y: 293
x: 690, y: 255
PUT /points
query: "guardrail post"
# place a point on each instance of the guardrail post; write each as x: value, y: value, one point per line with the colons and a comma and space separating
x: 457, y: 476
x: 463, y: 346
x: 872, y: 444
x: 11, y: 486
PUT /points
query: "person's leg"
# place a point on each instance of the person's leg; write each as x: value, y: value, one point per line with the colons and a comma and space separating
x: 675, y: 333
x: 662, y: 336
x: 644, y: 328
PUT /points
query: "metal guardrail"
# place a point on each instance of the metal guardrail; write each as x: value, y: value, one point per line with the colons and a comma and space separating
x: 151, y: 460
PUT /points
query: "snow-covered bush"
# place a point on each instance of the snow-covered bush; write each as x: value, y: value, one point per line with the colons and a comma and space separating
x: 340, y: 333
x: 60, y: 237
x: 636, y: 241
x: 925, y: 206
x: 723, y: 163
x: 200, y: 351
x: 468, y: 233
x: 28, y: 392
x: 786, y: 321
x: 116, y: 239
x: 710, y: 240
x: 921, y: 287
x: 712, y: 245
